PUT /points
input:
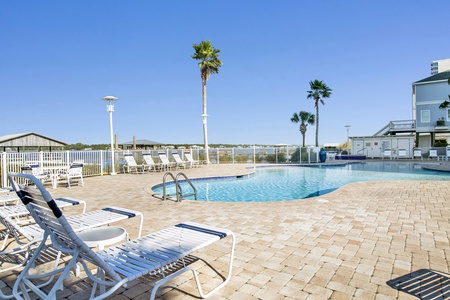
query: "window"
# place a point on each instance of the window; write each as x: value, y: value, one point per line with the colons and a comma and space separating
x: 448, y: 114
x: 425, y: 116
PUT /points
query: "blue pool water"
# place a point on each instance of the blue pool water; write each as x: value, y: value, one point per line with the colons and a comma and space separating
x: 288, y: 183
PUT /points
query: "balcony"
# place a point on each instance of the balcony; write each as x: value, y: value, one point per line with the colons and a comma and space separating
x: 440, y: 125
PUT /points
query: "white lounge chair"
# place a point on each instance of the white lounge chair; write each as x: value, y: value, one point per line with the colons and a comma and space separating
x: 8, y: 198
x: 166, y: 164
x: 387, y: 153
x: 165, y: 252
x: 194, y: 163
x: 417, y: 152
x: 402, y: 153
x: 130, y: 164
x: 433, y: 154
x: 178, y: 161
x: 18, y: 211
x: 26, y: 237
x: 75, y: 171
x: 150, y: 163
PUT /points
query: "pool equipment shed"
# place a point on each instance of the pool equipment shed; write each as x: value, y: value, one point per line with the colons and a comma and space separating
x: 374, y: 146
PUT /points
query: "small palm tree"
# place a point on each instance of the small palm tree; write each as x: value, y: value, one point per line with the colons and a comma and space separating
x: 319, y: 90
x: 209, y: 64
x: 304, y: 118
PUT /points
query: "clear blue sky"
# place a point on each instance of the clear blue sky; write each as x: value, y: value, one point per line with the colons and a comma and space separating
x: 59, y: 58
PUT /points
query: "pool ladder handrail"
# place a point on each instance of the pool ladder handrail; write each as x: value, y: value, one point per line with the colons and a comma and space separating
x: 178, y: 189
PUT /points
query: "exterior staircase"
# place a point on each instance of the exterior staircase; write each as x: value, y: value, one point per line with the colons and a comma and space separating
x: 395, y: 127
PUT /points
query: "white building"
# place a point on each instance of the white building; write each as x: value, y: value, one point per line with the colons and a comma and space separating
x: 438, y: 66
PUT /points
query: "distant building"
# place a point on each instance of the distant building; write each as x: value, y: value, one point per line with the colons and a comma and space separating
x: 438, y: 66
x: 29, y: 141
x: 140, y: 144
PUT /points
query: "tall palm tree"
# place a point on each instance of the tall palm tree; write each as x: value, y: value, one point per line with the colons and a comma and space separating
x: 209, y: 64
x: 304, y: 118
x: 319, y: 90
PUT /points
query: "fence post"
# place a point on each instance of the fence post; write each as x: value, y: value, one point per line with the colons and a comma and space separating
x: 101, y: 162
x: 4, y: 171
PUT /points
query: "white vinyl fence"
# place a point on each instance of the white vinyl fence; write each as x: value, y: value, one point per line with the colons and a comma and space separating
x: 98, y: 163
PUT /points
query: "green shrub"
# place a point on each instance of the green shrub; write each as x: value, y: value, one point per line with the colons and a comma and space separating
x: 440, y: 143
x: 259, y: 158
x: 225, y: 159
x: 241, y: 158
x: 272, y: 158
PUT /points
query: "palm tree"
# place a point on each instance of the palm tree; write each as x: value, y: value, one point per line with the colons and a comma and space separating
x: 304, y: 118
x: 209, y: 64
x: 319, y: 90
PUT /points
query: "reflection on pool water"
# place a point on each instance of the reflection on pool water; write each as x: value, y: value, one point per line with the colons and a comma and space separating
x: 298, y: 182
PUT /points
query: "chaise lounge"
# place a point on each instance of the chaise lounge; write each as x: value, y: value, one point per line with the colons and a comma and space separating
x: 165, y: 253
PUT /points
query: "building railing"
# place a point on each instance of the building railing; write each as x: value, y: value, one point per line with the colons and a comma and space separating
x: 396, y: 126
x: 98, y: 163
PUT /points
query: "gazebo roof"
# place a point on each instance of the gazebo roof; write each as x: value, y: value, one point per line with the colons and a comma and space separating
x: 142, y: 142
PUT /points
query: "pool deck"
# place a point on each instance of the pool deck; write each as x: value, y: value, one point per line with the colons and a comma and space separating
x: 348, y: 244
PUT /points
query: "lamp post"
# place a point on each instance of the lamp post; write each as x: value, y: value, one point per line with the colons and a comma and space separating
x: 110, y: 109
x: 348, y: 129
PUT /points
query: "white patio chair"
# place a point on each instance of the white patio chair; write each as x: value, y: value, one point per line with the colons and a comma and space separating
x: 150, y: 163
x: 178, y: 161
x: 75, y: 171
x: 37, y: 172
x: 131, y: 165
x: 387, y: 153
x: 166, y: 252
x: 433, y: 154
x: 417, y: 152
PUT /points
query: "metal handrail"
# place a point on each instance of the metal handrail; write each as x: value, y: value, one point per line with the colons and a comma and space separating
x: 164, y: 186
x: 180, y: 189
x: 361, y: 150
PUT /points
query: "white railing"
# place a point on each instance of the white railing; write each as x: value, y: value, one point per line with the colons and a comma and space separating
x: 98, y: 163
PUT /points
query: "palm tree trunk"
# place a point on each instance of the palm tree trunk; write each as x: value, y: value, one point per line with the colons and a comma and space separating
x: 205, y: 125
x: 317, y: 124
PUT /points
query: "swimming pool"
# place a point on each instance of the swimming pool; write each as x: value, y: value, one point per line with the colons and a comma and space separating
x: 298, y: 182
